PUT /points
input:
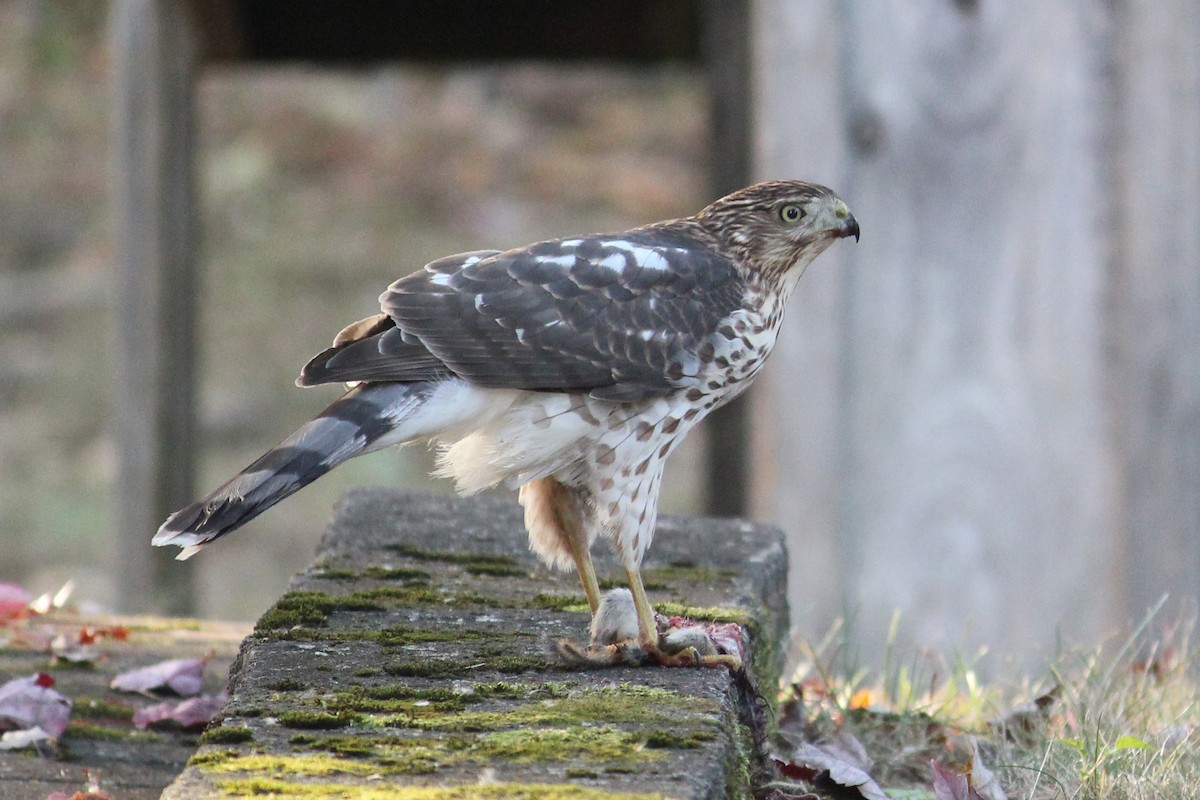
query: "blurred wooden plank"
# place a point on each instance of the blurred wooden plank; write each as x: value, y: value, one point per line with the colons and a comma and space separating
x: 450, y: 31
x: 966, y: 445
x: 725, y: 45
x: 1154, y: 294
x: 796, y: 406
x: 154, y: 188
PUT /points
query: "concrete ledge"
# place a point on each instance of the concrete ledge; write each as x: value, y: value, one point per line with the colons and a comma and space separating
x: 412, y: 660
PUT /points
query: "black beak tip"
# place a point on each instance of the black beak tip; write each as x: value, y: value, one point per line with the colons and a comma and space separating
x: 850, y: 228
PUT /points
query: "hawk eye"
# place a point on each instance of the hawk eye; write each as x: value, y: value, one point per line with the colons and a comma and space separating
x: 791, y: 213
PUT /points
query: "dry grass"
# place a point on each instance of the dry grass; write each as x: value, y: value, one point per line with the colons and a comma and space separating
x: 1117, y: 722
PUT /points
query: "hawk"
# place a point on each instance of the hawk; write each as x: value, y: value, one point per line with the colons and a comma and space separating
x: 569, y: 369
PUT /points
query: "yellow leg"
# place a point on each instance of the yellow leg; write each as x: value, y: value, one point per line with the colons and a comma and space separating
x: 554, y: 517
x: 647, y: 627
x: 577, y: 540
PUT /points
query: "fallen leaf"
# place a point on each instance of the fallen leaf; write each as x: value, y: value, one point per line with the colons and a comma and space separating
x: 981, y: 779
x: 949, y: 784
x: 31, y: 703
x: 193, y: 713
x: 73, y: 651
x: 90, y: 635
x: 14, y: 602
x: 827, y: 772
x: 18, y: 740
x: 866, y: 698
x: 183, y: 676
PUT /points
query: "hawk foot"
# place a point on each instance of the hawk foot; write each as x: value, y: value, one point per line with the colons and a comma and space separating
x: 633, y: 654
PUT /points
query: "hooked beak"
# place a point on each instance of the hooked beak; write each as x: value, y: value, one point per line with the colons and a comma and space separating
x: 848, y: 227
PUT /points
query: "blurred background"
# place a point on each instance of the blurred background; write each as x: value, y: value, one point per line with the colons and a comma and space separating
x: 984, y: 417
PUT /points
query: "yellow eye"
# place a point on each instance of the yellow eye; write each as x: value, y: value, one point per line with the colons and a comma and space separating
x: 791, y: 213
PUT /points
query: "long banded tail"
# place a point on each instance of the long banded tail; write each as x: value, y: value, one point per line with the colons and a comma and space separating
x: 366, y: 418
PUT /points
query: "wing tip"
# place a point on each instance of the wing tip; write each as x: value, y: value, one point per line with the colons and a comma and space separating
x: 189, y: 543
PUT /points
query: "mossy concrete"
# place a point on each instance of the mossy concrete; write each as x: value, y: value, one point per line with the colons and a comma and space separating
x: 416, y: 658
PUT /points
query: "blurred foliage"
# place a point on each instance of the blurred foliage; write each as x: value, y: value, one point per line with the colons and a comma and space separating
x: 318, y: 188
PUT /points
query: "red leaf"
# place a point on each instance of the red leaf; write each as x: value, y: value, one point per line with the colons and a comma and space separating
x: 14, y: 602
x: 183, y: 676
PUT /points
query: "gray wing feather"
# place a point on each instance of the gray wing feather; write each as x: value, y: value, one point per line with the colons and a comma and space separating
x: 618, y: 316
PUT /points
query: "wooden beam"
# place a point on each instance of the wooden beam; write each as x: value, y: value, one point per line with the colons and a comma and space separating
x: 154, y: 200
x: 968, y: 468
x: 1154, y: 299
x: 725, y: 48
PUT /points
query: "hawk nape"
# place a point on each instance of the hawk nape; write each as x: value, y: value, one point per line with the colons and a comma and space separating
x: 569, y: 368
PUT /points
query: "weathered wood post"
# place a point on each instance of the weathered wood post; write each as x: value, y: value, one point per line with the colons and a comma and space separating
x: 987, y: 414
x: 154, y: 185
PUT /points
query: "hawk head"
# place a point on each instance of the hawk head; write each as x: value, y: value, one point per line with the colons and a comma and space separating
x: 779, y: 226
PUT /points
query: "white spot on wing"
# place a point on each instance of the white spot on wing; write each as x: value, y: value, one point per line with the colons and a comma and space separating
x: 647, y: 334
x: 571, y: 242
x: 650, y: 259
x: 439, y: 278
x: 614, y: 262
x: 620, y: 244
x: 566, y: 261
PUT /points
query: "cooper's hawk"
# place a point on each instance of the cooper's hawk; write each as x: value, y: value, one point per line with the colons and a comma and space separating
x: 569, y: 368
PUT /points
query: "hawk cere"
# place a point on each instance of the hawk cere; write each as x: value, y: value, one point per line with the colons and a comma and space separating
x: 569, y: 369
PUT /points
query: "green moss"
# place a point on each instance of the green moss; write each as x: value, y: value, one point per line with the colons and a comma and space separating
x: 345, y: 746
x: 617, y: 705
x: 227, y: 735
x: 399, y: 635
x: 99, y: 708
x: 90, y: 730
x: 687, y: 573
x: 395, y: 636
x: 496, y: 570
x: 364, y: 756
x: 429, y: 668
x: 268, y: 787
x: 558, y: 745
x: 312, y: 609
x: 213, y: 757
x: 316, y: 720
x: 307, y: 608
x: 465, y: 559
x: 374, y: 573
x: 648, y: 585
x: 368, y: 672
x: 335, y: 574
x: 315, y: 765
x: 473, y: 665
x: 672, y: 740
x: 559, y: 602
x: 397, y: 574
